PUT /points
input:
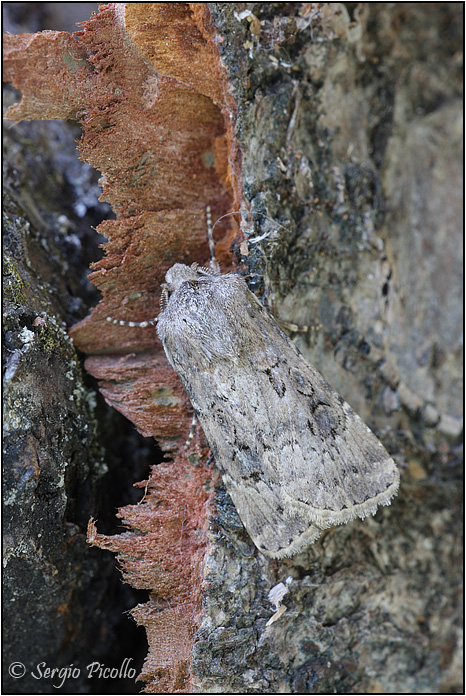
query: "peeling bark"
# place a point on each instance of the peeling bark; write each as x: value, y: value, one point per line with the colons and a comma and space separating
x: 340, y: 136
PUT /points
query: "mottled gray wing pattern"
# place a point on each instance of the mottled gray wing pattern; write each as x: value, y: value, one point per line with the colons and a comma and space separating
x: 294, y: 456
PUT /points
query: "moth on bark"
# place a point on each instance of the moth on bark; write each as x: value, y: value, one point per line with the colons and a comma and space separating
x: 295, y: 458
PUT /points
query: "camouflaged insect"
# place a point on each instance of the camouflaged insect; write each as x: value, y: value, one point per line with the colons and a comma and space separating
x: 294, y: 456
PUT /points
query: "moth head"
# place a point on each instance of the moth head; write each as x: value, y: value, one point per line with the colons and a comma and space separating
x: 177, y: 275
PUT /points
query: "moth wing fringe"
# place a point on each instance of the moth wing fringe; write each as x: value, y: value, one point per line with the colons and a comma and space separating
x: 327, y: 518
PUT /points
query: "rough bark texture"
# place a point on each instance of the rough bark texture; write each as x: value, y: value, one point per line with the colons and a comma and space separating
x: 350, y: 131
x: 65, y: 452
x: 63, y: 603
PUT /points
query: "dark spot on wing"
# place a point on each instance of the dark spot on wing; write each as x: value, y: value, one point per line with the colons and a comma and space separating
x: 310, y: 425
x: 255, y: 476
x: 301, y: 384
x: 326, y: 419
x: 275, y: 381
x: 248, y: 461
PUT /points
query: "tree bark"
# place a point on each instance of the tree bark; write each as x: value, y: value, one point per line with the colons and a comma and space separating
x: 351, y: 134
x: 349, y: 123
x: 65, y: 451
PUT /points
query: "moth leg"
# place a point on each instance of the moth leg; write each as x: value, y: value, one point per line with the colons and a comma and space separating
x: 203, y: 270
x: 297, y: 328
x: 192, y: 431
x: 164, y: 297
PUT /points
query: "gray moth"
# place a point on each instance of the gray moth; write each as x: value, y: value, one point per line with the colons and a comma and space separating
x: 294, y: 457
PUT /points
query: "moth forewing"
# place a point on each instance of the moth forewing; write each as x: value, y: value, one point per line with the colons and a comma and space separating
x: 294, y: 456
